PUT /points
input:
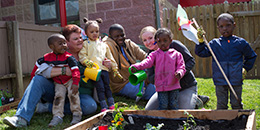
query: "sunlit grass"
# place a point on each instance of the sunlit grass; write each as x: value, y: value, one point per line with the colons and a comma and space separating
x: 250, y: 96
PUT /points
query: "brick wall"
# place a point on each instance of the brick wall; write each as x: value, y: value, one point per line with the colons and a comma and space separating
x: 133, y: 15
x: 17, y: 10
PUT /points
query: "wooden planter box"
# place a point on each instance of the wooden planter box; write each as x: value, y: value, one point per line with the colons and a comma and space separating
x: 9, y: 106
x: 200, y: 114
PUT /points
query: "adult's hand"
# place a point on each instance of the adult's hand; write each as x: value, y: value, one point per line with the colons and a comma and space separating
x: 106, y: 62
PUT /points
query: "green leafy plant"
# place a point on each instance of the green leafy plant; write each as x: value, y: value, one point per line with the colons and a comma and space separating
x: 190, y: 119
x: 6, y: 93
x: 119, y: 121
x: 6, y: 97
x: 148, y: 126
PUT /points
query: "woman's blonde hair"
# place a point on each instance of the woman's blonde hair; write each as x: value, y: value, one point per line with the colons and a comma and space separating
x: 147, y: 29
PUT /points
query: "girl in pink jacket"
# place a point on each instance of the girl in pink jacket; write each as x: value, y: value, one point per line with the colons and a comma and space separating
x: 169, y: 69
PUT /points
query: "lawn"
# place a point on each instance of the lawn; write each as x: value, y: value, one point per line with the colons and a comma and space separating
x: 250, y: 96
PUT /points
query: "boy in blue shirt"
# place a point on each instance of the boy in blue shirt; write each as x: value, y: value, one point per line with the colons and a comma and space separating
x: 235, y: 56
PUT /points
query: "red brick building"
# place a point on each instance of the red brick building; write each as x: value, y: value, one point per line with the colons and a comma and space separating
x: 132, y: 14
x: 187, y: 3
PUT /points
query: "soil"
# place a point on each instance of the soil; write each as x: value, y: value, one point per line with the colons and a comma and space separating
x: 140, y: 121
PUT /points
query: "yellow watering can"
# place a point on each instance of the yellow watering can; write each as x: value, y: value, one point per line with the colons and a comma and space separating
x: 92, y: 73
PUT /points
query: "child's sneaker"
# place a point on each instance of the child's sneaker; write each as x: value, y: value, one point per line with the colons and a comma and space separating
x: 76, y: 119
x: 15, y: 121
x: 55, y: 121
x: 112, y: 107
x: 104, y: 109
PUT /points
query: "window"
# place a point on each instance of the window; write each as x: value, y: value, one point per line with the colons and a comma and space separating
x: 47, y: 11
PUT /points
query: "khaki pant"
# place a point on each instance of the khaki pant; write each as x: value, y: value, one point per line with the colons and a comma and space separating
x: 59, y: 100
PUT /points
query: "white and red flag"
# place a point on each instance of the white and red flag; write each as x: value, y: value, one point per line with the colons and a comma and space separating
x: 185, y: 25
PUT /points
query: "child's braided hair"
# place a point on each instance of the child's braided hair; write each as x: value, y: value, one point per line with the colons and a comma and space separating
x: 89, y: 22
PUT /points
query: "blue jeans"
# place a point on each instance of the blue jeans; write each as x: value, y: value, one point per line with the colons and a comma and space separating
x: 41, y: 87
x: 130, y: 91
x: 187, y: 99
x: 168, y: 100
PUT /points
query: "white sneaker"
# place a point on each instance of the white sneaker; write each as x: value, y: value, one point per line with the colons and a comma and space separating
x: 42, y: 107
x: 15, y: 121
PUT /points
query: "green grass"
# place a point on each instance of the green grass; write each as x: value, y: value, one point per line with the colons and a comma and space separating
x: 250, y: 96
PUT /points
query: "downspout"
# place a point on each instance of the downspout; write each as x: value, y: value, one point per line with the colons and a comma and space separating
x: 63, y: 17
x: 157, y: 13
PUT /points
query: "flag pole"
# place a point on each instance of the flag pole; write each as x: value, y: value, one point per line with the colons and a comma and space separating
x: 215, y: 58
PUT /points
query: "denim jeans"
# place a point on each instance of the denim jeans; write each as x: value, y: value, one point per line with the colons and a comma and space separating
x: 168, y: 100
x: 130, y: 91
x: 40, y: 87
x: 187, y: 99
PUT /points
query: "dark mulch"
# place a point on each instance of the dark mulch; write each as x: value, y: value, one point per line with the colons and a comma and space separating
x: 140, y: 121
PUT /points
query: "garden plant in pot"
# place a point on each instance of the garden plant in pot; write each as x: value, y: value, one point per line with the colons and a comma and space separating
x: 6, y: 97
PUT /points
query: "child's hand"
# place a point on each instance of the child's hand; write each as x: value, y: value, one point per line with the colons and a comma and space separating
x: 244, y: 72
x: 68, y: 71
x: 106, y: 62
x: 200, y: 34
x: 133, y: 70
x: 116, y: 73
x: 178, y: 75
x: 88, y: 63
x: 74, y: 89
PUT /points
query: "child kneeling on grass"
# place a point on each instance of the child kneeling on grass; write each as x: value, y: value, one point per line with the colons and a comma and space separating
x: 169, y: 69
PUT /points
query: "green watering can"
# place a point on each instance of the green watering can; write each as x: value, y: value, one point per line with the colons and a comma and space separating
x: 137, y: 78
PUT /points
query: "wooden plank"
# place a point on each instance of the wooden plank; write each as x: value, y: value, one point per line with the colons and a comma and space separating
x: 218, y: 11
x: 246, y: 25
x: 251, y: 122
x: 235, y: 8
x: 251, y: 22
x: 211, y: 34
x: 7, y: 76
x: 242, y: 23
x: 83, y: 125
x: 9, y: 106
x: 39, y: 28
x: 197, y: 70
x: 4, y: 56
x: 203, y: 19
x: 246, y: 13
x: 172, y: 17
x: 165, y: 18
x: 13, y: 35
